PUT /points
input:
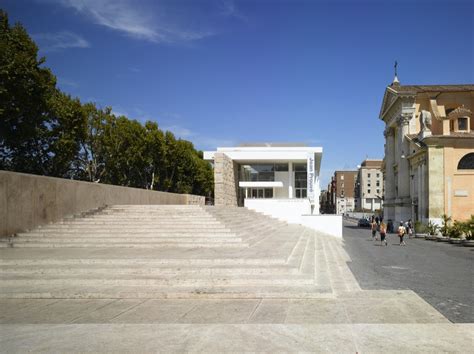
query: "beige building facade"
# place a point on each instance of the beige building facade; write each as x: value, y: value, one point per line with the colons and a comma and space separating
x: 429, y: 152
x: 369, y: 186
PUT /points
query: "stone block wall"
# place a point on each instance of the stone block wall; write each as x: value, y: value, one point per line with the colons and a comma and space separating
x: 28, y: 201
x: 225, y: 180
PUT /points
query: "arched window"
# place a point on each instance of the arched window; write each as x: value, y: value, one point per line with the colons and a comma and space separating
x: 467, y: 162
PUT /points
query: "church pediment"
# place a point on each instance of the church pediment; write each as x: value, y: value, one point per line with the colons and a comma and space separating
x: 389, y: 99
x: 460, y: 112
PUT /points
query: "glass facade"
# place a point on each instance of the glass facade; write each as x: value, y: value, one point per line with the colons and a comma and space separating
x: 261, y: 172
x: 266, y: 173
x: 301, y: 180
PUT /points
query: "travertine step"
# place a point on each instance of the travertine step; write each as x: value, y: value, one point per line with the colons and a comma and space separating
x: 143, y: 262
x: 112, y: 227
x: 20, y: 244
x: 114, y: 239
x: 145, y: 269
x: 157, y: 292
x: 111, y: 279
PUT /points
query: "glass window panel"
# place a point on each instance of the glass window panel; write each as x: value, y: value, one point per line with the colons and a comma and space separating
x: 260, y: 193
x: 268, y: 193
x: 462, y: 123
x: 282, y: 167
x: 299, y: 167
x: 255, y: 173
x: 301, y: 183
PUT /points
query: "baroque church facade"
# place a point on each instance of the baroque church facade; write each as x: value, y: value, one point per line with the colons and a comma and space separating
x: 429, y: 152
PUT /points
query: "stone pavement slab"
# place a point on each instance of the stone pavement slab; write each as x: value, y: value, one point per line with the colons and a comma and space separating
x: 366, y: 307
x: 327, y: 338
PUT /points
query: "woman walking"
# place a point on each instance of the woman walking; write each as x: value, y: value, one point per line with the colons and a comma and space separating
x: 383, y: 233
x: 401, y: 232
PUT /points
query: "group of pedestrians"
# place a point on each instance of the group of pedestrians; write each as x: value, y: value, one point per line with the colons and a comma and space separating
x: 378, y: 225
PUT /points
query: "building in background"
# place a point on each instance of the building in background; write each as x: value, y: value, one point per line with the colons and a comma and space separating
x: 429, y: 151
x: 328, y: 197
x: 369, y: 186
x: 345, y: 184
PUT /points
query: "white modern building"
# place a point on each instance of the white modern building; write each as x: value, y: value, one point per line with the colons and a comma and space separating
x: 280, y: 180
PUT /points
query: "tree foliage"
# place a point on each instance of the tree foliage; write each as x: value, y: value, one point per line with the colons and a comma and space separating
x: 45, y: 131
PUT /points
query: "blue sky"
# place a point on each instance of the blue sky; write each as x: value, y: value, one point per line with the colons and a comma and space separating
x: 220, y: 72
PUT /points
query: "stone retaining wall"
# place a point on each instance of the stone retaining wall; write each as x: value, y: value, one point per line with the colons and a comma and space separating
x: 27, y: 201
x: 225, y: 180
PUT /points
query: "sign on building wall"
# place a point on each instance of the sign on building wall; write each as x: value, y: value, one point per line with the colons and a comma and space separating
x: 310, y: 177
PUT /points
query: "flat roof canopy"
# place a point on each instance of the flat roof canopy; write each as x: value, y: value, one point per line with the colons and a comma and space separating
x: 257, y: 154
x: 261, y: 184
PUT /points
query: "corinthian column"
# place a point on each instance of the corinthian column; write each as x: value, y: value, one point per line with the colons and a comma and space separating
x: 389, y: 161
x: 403, y: 165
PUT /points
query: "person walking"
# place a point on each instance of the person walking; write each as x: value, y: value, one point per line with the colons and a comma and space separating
x: 373, y: 227
x: 383, y: 233
x: 401, y: 232
x: 410, y: 229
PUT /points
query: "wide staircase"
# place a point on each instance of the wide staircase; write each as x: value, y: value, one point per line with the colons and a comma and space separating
x: 172, y: 251
x: 208, y: 279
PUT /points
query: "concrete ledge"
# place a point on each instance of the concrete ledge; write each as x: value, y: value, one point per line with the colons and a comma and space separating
x: 288, y: 210
x: 28, y: 201
x: 297, y: 211
x: 329, y: 224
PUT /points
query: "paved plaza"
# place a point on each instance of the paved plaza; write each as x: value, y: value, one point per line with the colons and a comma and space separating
x: 174, y: 279
x: 441, y: 273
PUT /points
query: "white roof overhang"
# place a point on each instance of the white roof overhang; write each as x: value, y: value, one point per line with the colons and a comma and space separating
x: 261, y: 184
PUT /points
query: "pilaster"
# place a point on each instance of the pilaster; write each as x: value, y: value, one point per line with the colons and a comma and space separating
x: 403, y: 165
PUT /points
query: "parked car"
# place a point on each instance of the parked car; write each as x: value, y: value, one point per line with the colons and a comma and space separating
x: 363, y: 223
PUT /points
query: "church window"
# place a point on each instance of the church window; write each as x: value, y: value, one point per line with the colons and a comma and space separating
x: 462, y: 123
x: 467, y: 162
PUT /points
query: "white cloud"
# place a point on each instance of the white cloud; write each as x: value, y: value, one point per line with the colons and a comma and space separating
x: 228, y: 9
x: 130, y: 18
x: 49, y: 42
x: 200, y: 141
x: 181, y: 132
x: 67, y: 82
x: 118, y: 111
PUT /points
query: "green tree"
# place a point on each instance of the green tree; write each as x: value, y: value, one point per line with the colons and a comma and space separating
x: 45, y: 131
x: 67, y: 131
x: 25, y: 92
x: 124, y: 148
x: 91, y: 161
x: 155, y: 148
